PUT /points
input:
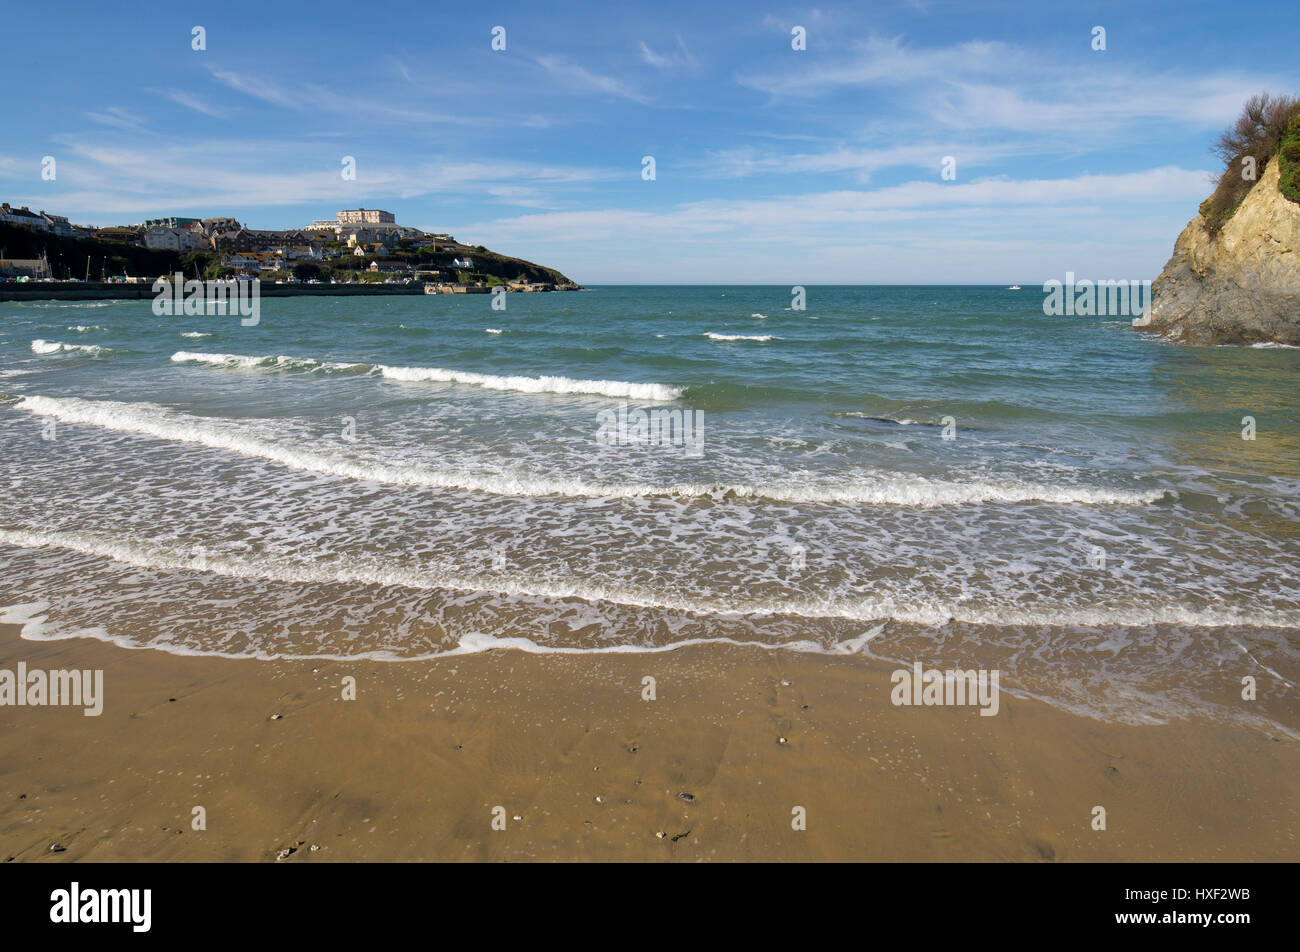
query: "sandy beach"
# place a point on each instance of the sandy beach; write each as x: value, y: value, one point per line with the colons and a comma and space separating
x: 586, y: 769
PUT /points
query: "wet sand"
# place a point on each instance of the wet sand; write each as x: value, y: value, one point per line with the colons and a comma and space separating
x: 585, y: 769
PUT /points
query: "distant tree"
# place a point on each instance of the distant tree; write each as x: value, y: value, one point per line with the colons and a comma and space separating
x: 308, y: 272
x: 1255, y: 136
x: 1258, y: 129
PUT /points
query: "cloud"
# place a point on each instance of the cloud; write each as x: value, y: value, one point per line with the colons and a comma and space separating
x: 862, y: 162
x: 259, y: 87
x: 991, y: 87
x: 576, y: 76
x: 653, y: 58
x: 990, y: 203
x: 96, y: 178
x: 681, y: 58
x: 403, y: 70
x: 987, y: 231
x: 190, y: 101
x: 117, y: 118
x: 879, y: 61
x: 362, y: 109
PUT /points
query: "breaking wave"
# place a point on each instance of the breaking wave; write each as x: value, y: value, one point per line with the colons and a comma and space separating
x: 605, y: 388
x: 869, y: 488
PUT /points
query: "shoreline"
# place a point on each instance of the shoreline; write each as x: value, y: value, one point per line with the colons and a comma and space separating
x: 413, y: 767
x: 143, y: 290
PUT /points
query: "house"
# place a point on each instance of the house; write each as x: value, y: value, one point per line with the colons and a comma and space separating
x: 58, y: 224
x: 364, y: 237
x: 163, y: 238
x: 365, y: 216
x: 248, y: 239
x: 22, y: 216
x: 462, y: 263
x: 241, y: 262
x: 173, y: 222
x: 215, y: 226
x: 391, y: 267
x: 174, y: 239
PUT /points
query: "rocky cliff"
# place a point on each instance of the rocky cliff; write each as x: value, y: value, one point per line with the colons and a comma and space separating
x: 1239, y: 287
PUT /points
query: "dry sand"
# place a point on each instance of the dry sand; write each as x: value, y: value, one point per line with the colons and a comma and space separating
x: 412, y: 769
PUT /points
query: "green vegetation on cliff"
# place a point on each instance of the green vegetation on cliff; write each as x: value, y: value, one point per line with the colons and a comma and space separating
x: 1266, y: 125
x: 1289, y: 161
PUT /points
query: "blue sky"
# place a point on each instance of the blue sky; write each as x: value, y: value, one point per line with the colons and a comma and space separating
x: 772, y: 165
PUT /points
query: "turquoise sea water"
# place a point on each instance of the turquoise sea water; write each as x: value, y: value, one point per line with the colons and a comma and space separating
x: 402, y: 477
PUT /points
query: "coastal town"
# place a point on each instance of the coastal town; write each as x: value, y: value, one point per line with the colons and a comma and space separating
x: 358, y: 246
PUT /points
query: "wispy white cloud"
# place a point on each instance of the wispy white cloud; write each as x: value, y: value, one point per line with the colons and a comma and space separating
x: 190, y: 101
x: 97, y: 178
x: 860, y: 162
x: 117, y: 118
x: 681, y: 58
x: 921, y: 212
x: 259, y: 87
x: 993, y: 86
x: 1163, y: 184
x: 358, y: 108
x: 579, y: 77
x: 920, y: 232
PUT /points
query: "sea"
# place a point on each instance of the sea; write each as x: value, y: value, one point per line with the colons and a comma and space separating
x: 944, y: 475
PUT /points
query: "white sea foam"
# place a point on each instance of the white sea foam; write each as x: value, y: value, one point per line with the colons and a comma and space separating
x: 33, y: 619
x: 901, y: 421
x: 371, y: 571
x: 494, y: 330
x: 606, y: 388
x: 75, y: 305
x: 761, y: 317
x: 759, y: 337
x: 871, y: 488
x: 85, y: 328
x: 1269, y: 345
x: 237, y: 361
x: 478, y: 642
x: 194, y: 334
x: 54, y: 346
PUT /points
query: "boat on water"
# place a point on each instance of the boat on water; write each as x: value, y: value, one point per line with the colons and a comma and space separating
x: 1014, y: 287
